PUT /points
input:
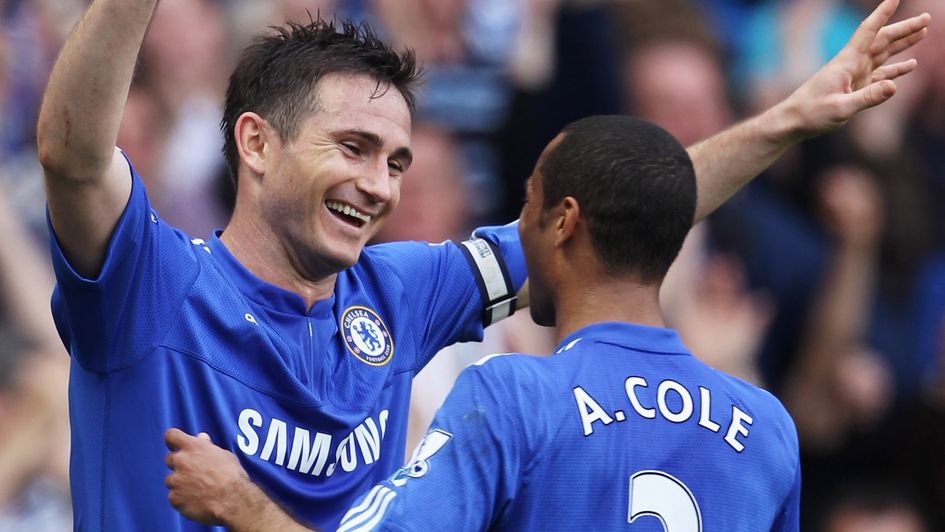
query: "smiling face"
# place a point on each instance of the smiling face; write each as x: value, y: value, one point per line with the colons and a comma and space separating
x: 328, y: 191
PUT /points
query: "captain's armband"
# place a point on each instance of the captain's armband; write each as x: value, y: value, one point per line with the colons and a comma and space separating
x: 492, y: 276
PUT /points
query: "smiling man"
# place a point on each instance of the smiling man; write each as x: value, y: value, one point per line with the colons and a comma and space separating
x: 284, y: 337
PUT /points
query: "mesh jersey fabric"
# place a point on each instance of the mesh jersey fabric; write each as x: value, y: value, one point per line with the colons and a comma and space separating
x: 621, y: 429
x: 176, y: 332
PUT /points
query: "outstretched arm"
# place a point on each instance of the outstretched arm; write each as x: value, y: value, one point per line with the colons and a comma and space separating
x: 87, y: 180
x: 857, y: 78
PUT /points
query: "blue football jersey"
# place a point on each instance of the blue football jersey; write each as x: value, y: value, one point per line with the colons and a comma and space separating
x: 175, y: 332
x: 621, y: 429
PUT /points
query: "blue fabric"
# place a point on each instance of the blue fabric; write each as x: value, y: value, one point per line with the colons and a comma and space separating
x: 314, y: 402
x: 519, y: 446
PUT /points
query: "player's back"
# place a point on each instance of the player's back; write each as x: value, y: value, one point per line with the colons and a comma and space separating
x: 624, y: 425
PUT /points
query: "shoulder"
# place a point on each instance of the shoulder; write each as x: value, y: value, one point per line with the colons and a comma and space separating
x: 511, y: 375
x: 509, y: 363
x: 398, y: 252
x: 404, y: 261
x: 761, y: 402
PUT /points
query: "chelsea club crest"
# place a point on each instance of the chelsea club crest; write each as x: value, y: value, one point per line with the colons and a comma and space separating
x: 366, y: 336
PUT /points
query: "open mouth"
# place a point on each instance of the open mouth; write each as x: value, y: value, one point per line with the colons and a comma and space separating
x: 348, y: 214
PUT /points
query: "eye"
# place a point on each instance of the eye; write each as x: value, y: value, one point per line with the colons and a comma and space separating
x: 352, y: 147
x: 395, y: 168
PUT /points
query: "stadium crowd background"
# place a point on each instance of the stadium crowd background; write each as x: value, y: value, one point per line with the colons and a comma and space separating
x: 823, y: 280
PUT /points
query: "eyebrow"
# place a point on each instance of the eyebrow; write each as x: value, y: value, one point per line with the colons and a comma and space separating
x: 403, y: 153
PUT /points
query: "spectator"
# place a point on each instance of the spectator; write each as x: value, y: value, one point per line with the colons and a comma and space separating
x: 34, y: 427
x: 672, y: 75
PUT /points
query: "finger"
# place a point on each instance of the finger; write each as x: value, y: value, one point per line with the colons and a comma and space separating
x: 894, y: 70
x: 175, y: 501
x: 905, y: 28
x: 866, y: 33
x: 174, y: 438
x: 902, y: 45
x: 204, y: 436
x: 170, y: 459
x: 872, y: 95
x: 169, y: 481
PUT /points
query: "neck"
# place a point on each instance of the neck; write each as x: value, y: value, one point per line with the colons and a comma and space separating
x: 264, y: 255
x: 583, y: 302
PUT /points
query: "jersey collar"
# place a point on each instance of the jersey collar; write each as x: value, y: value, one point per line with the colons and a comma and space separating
x: 261, y: 292
x: 631, y: 335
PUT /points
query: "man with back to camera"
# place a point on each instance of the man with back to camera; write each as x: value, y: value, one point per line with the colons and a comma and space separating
x: 284, y: 338
x: 622, y: 424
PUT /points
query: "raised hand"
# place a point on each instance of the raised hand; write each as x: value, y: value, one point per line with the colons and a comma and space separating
x: 852, y: 206
x: 858, y: 77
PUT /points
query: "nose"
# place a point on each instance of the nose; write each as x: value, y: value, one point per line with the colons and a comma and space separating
x: 376, y: 183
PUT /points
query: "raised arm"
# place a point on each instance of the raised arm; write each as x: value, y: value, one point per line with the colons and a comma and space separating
x: 857, y: 78
x: 87, y: 180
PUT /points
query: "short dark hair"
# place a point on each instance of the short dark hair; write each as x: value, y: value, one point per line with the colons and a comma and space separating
x: 277, y: 74
x: 636, y: 188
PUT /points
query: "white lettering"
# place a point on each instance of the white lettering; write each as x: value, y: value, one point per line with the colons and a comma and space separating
x: 347, y: 454
x: 275, y: 439
x: 736, y: 427
x: 674, y: 410
x: 685, y: 412
x: 706, y: 409
x: 630, y: 384
x: 590, y: 411
x: 369, y: 440
x: 248, y: 441
x: 311, y: 449
x: 302, y: 459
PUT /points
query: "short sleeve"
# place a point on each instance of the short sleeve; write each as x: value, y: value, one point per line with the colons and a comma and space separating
x: 112, y: 321
x: 452, y: 291
x: 471, y: 457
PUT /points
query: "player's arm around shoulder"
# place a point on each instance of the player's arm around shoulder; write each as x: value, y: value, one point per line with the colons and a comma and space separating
x: 466, y: 468
x: 208, y: 485
x: 87, y: 179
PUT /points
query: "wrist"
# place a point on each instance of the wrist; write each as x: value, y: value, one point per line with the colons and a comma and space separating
x: 858, y: 246
x: 240, y: 510
x: 783, y: 123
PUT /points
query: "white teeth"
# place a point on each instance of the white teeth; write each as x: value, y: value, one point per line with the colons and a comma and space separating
x: 348, y: 210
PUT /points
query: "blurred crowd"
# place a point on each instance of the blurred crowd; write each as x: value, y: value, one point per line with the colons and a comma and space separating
x: 822, y: 281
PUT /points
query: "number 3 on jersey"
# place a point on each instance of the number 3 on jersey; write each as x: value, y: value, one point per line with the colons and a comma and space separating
x: 665, y: 497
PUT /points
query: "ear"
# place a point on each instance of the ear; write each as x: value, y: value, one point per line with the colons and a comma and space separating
x: 569, y: 212
x: 253, y: 137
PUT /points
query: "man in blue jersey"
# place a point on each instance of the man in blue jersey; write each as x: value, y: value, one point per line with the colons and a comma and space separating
x: 283, y: 337
x: 279, y: 336
x: 622, y: 424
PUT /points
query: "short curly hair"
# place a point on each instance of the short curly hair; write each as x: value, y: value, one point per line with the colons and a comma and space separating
x: 636, y: 187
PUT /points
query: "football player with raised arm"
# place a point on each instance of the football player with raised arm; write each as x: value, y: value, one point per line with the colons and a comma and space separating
x: 622, y: 424
x: 283, y: 336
